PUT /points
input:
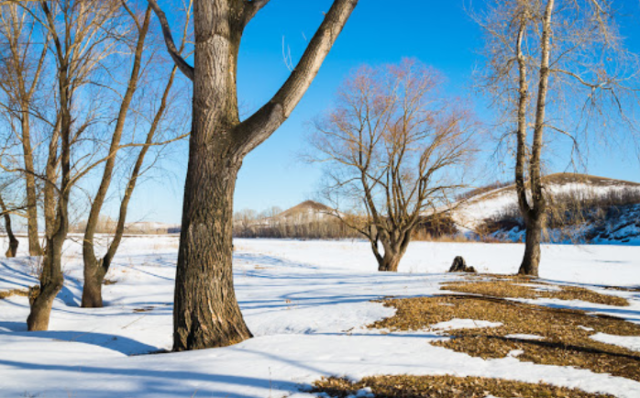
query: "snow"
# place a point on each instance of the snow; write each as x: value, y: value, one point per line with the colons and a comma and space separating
x: 457, y: 323
x: 524, y: 336
x: 307, y: 304
x: 629, y: 342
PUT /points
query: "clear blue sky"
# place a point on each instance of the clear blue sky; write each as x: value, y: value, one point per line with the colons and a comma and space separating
x: 437, y: 32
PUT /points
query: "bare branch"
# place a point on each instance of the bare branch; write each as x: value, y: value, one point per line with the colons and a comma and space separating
x: 184, y: 67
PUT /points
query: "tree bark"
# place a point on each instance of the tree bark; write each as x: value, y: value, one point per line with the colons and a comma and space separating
x: 531, y: 258
x: 394, y: 250
x: 32, y: 205
x: 206, y: 313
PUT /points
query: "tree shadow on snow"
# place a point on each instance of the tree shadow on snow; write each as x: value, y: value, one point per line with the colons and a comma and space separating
x: 121, y: 344
x: 158, y: 382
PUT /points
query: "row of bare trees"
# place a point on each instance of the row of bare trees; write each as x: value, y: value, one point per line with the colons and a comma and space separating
x: 84, y: 93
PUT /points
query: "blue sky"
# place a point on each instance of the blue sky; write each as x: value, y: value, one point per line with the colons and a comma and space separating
x: 437, y: 32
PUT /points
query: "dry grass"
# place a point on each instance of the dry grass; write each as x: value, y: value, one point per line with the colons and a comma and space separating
x: 565, y: 333
x: 522, y: 287
x: 13, y: 292
x: 446, y: 387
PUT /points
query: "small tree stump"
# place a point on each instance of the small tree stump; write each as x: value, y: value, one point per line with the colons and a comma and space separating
x: 459, y: 265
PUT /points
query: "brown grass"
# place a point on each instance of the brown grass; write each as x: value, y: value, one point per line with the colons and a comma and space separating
x: 446, y: 387
x: 13, y: 292
x: 521, y: 287
x: 565, y: 341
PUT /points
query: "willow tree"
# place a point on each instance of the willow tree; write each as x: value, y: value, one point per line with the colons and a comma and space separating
x: 394, y: 148
x: 552, y: 67
x: 206, y: 312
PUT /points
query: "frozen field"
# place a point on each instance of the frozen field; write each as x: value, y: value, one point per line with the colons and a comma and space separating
x: 307, y: 304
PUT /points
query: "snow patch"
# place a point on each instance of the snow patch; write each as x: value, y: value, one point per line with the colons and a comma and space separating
x: 629, y: 342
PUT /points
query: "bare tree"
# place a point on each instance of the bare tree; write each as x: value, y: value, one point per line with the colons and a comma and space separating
x: 552, y: 66
x: 394, y: 149
x: 206, y: 312
x: 81, y: 35
x: 21, y: 69
x: 96, y: 268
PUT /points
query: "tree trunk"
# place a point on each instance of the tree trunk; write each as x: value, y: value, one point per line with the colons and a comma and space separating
x: 531, y: 258
x: 389, y: 262
x: 393, y: 251
x: 206, y: 313
x: 92, y: 287
x: 94, y: 268
x: 13, y: 242
x: 32, y: 205
x: 51, y: 282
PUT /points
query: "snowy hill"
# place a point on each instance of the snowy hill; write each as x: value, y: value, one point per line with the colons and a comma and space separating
x: 583, y: 208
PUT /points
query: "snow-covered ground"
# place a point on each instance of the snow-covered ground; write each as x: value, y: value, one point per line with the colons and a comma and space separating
x: 307, y: 304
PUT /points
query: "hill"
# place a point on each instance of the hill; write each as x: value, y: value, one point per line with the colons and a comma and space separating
x: 307, y: 220
x: 583, y: 209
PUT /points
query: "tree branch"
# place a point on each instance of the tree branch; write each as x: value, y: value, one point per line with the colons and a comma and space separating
x: 168, y: 39
x: 259, y: 126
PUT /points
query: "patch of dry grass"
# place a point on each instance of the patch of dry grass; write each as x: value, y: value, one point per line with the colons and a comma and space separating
x: 13, y: 292
x: 446, y: 387
x: 522, y: 287
x: 565, y: 333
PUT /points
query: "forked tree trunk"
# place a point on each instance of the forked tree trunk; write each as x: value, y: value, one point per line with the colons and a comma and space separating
x: 206, y: 313
x: 533, y: 211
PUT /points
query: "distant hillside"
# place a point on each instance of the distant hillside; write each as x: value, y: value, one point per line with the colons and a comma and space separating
x: 583, y: 209
x: 306, y: 211
x: 307, y: 220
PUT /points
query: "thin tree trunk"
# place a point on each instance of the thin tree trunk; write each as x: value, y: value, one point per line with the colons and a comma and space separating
x: 94, y: 270
x: 13, y: 242
x: 535, y: 217
x: 32, y: 205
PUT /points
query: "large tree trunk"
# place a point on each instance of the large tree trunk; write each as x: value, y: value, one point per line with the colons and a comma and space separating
x: 393, y: 250
x: 389, y: 262
x: 206, y: 313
